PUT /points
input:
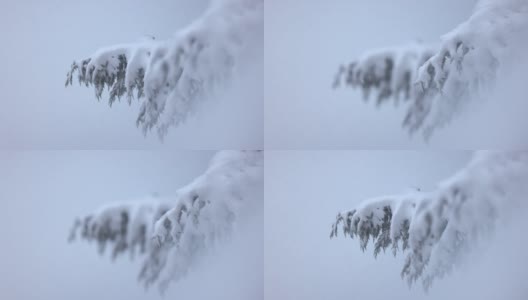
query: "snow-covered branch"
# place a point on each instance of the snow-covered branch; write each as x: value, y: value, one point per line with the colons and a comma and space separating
x: 172, y: 76
x: 206, y: 211
x: 468, y: 60
x: 439, y: 227
x: 122, y: 226
x: 439, y: 81
x: 388, y: 72
x: 174, y: 234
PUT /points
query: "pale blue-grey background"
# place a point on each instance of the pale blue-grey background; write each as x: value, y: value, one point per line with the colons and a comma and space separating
x: 305, y: 190
x: 40, y: 40
x: 306, y: 41
x: 41, y: 194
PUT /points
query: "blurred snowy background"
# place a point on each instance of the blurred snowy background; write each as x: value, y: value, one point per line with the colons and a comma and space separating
x: 304, y: 192
x: 306, y: 41
x: 42, y: 193
x: 40, y: 40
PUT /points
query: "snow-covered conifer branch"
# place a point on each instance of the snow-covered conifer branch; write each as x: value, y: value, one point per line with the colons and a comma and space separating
x: 172, y: 76
x: 388, y: 72
x: 122, y: 226
x: 443, y: 79
x: 439, y: 227
x: 175, y: 233
x: 207, y: 210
